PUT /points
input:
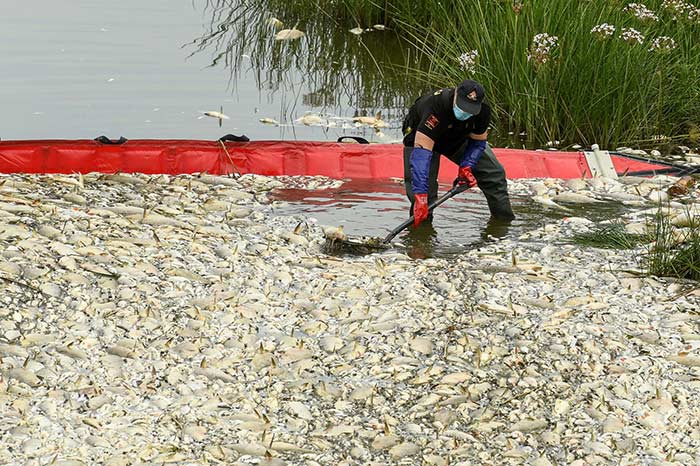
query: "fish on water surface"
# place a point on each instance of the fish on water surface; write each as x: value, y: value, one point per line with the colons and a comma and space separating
x: 375, y: 121
x: 289, y: 34
x: 547, y: 202
x: 309, y: 119
x: 276, y: 23
x: 214, y: 114
x: 358, y: 30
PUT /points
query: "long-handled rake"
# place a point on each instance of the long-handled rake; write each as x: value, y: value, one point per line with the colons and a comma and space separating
x: 368, y: 245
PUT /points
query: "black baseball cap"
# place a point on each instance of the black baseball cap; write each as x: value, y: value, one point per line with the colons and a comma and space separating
x: 470, y: 94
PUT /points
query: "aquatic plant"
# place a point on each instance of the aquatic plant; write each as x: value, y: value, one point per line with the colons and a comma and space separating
x: 641, y: 12
x: 611, y: 236
x: 603, y: 31
x: 675, y: 251
x: 612, y: 92
x: 542, y: 48
x: 662, y: 44
x: 572, y: 89
x: 632, y: 36
x: 468, y: 61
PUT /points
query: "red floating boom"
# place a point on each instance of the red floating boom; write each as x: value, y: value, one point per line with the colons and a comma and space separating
x: 332, y: 159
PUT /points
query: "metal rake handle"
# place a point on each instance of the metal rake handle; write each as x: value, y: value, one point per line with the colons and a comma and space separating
x: 456, y: 189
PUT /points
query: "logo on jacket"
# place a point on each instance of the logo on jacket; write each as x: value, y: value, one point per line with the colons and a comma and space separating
x: 432, y: 122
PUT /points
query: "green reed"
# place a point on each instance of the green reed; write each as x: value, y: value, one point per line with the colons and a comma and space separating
x: 368, y: 71
x: 586, y: 89
x: 589, y: 89
x: 611, y: 236
x: 674, y: 252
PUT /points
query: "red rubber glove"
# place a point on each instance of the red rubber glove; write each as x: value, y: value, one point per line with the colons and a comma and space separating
x: 420, y: 209
x: 465, y: 176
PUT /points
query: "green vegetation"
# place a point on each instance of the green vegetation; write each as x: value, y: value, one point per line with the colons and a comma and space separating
x: 579, y: 72
x: 674, y: 252
x: 584, y: 86
x: 667, y: 251
x: 611, y: 236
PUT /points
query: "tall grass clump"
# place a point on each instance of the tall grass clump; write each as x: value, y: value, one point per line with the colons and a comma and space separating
x: 675, y: 251
x: 611, y: 236
x: 612, y: 72
x: 605, y: 72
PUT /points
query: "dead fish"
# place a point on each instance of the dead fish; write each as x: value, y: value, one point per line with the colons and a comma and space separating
x: 269, y: 121
x: 276, y: 23
x: 357, y: 31
x: 214, y: 374
x: 548, y: 202
x: 71, y: 351
x: 24, y: 375
x: 375, y: 121
x: 682, y: 186
x: 309, y: 120
x: 335, y: 233
x: 574, y: 198
x: 289, y: 34
x: 214, y: 114
x: 685, y: 359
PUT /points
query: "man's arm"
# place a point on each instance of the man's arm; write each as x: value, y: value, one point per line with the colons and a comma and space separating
x: 423, y: 141
x: 420, y: 169
x: 479, y: 137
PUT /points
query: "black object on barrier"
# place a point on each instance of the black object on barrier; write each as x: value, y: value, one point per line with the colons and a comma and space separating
x: 106, y: 140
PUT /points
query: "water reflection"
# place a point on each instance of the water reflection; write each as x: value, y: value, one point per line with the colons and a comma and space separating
x: 424, y: 241
x: 496, y: 228
x: 327, y: 68
x: 371, y: 208
x: 420, y: 242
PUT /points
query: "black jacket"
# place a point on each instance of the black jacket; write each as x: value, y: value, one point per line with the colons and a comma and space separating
x: 432, y: 115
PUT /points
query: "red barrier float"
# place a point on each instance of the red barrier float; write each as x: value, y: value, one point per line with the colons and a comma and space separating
x: 332, y: 159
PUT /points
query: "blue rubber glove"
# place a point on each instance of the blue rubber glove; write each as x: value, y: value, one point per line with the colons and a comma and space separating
x: 472, y: 153
x: 420, y: 168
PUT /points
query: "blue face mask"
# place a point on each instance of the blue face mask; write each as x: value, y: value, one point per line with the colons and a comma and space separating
x: 460, y: 114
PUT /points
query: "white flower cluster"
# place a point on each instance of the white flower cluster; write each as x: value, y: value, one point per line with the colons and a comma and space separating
x: 541, y: 48
x: 680, y: 10
x: 641, y: 12
x: 468, y: 61
x: 662, y: 44
x: 632, y: 36
x: 677, y: 7
x: 603, y: 31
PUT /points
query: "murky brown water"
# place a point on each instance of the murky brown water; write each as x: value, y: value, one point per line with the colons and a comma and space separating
x: 374, y: 208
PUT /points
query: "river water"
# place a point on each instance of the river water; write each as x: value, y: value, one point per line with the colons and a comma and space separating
x: 80, y: 69
x: 77, y: 69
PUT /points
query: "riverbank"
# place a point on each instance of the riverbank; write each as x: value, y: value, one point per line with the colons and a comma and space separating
x: 561, y: 73
x: 158, y: 319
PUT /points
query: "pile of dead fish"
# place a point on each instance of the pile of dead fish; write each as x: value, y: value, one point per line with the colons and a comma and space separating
x: 176, y: 320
